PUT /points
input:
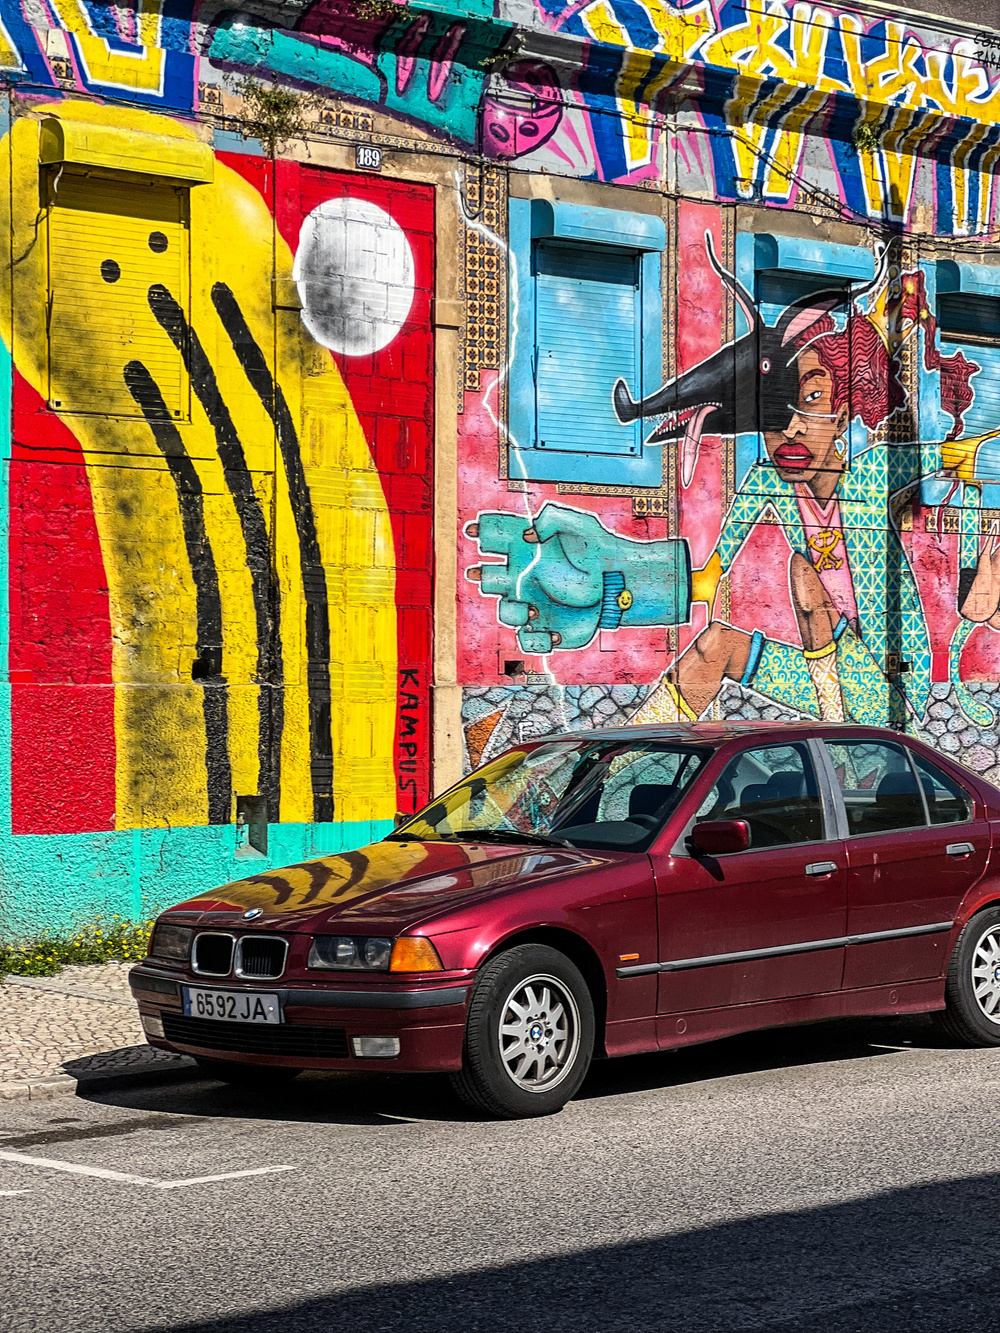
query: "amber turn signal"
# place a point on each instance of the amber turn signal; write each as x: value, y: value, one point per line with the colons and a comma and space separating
x: 412, y: 953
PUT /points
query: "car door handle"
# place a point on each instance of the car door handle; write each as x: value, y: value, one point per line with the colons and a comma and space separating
x: 821, y: 868
x: 959, y: 848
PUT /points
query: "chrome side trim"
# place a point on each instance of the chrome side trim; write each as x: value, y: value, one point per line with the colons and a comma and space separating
x: 777, y: 950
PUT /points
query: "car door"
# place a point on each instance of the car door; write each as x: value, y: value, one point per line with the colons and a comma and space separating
x: 913, y: 849
x: 744, y: 927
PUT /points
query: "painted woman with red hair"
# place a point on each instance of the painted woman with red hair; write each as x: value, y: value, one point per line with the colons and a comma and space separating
x: 834, y: 510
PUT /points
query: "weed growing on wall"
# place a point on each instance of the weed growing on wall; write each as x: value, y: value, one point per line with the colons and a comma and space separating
x: 867, y: 138
x: 102, y: 942
x: 376, y: 9
x: 276, y: 116
x: 512, y: 51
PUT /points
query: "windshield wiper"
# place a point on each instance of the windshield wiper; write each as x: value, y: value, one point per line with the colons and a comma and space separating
x: 485, y: 835
x: 512, y: 835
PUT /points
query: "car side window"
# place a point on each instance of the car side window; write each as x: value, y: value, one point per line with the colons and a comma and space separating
x: 878, y: 785
x: 774, y: 789
x: 947, y: 802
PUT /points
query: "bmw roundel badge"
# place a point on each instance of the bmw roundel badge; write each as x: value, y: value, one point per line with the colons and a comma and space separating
x: 252, y: 913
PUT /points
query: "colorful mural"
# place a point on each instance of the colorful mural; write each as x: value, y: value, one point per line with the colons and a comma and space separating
x: 706, y: 97
x: 782, y: 497
x: 822, y: 552
x: 426, y: 69
x: 734, y: 95
x: 246, y: 638
x: 220, y: 509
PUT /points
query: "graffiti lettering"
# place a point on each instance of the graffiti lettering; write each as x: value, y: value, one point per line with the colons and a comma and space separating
x: 410, y: 722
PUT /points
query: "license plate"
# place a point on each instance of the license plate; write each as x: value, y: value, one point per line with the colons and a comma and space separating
x: 232, y: 1006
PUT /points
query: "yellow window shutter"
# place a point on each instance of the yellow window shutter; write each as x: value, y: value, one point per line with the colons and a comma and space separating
x: 110, y: 241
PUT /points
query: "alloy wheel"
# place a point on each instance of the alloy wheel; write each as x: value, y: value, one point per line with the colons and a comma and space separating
x: 986, y: 973
x: 539, y: 1033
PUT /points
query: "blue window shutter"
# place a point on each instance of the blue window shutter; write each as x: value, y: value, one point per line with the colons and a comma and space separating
x: 777, y: 291
x: 971, y: 324
x: 963, y: 313
x: 588, y: 334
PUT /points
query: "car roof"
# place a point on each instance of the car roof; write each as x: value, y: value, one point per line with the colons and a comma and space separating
x: 716, y: 733
x: 719, y: 734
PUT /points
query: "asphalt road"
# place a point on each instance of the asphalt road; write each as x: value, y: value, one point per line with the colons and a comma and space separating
x: 841, y: 1177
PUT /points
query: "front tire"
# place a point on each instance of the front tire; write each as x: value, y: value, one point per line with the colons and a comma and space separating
x: 529, y: 1036
x: 972, y: 990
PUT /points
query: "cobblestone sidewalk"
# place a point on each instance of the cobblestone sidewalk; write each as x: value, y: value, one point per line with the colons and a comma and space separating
x: 79, y: 1027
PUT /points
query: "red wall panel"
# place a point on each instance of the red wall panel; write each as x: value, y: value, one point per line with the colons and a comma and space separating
x: 62, y: 698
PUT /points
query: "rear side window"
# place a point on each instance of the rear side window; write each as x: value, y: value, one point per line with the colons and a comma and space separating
x: 879, y: 787
x: 947, y: 802
x: 774, y: 790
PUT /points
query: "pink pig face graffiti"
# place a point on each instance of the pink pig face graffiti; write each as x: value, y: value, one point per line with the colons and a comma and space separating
x: 522, y: 109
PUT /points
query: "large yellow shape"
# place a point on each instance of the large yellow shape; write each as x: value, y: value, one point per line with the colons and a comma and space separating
x: 159, y: 721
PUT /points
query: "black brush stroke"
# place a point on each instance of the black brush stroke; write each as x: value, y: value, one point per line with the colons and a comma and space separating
x: 319, y: 874
x: 266, y: 601
x: 208, y: 603
x: 255, y: 367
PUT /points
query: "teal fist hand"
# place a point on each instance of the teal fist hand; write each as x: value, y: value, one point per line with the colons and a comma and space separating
x: 566, y: 576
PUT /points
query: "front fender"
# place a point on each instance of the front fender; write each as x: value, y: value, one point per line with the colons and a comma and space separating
x: 614, y: 914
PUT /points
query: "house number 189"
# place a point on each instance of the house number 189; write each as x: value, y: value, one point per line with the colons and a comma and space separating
x: 369, y: 159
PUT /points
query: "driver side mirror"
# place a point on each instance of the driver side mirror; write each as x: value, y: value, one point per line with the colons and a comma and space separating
x: 719, y: 836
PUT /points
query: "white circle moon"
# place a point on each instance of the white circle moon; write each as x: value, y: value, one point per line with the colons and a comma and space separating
x: 354, y: 274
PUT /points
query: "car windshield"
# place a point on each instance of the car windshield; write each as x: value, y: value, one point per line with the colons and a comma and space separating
x: 601, y: 793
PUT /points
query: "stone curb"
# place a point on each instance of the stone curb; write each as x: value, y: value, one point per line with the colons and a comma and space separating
x: 67, y: 988
x: 64, y: 1085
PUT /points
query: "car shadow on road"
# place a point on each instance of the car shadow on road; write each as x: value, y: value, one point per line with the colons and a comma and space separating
x: 385, y: 1099
x: 921, y: 1259
x: 756, y: 1052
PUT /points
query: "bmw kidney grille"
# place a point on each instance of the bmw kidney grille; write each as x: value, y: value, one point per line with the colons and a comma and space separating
x: 261, y: 957
x: 213, y: 954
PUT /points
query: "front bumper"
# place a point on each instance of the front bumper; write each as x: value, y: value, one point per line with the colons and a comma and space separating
x: 318, y: 1024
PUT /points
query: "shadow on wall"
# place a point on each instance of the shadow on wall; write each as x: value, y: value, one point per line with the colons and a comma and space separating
x: 907, y: 1261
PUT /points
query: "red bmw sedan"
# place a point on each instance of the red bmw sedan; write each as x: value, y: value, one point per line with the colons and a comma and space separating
x: 603, y: 893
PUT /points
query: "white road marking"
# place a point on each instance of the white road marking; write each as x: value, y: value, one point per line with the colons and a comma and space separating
x: 229, y: 1175
x: 101, y: 1173
x: 8, y: 1194
x: 76, y: 1169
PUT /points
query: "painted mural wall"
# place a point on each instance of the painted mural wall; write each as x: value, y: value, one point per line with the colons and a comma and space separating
x: 725, y: 407
x: 812, y: 525
x: 762, y: 102
x: 219, y: 523
x: 824, y: 544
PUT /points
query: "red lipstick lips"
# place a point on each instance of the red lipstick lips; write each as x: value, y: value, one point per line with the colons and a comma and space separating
x: 794, y: 457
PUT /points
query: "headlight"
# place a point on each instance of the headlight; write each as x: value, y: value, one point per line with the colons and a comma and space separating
x: 367, y: 954
x: 172, y: 942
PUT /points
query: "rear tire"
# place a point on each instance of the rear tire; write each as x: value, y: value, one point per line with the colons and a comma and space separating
x: 972, y: 990
x: 529, y: 1037
x: 262, y: 1076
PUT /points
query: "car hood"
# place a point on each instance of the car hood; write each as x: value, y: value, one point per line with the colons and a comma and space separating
x: 391, y: 882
